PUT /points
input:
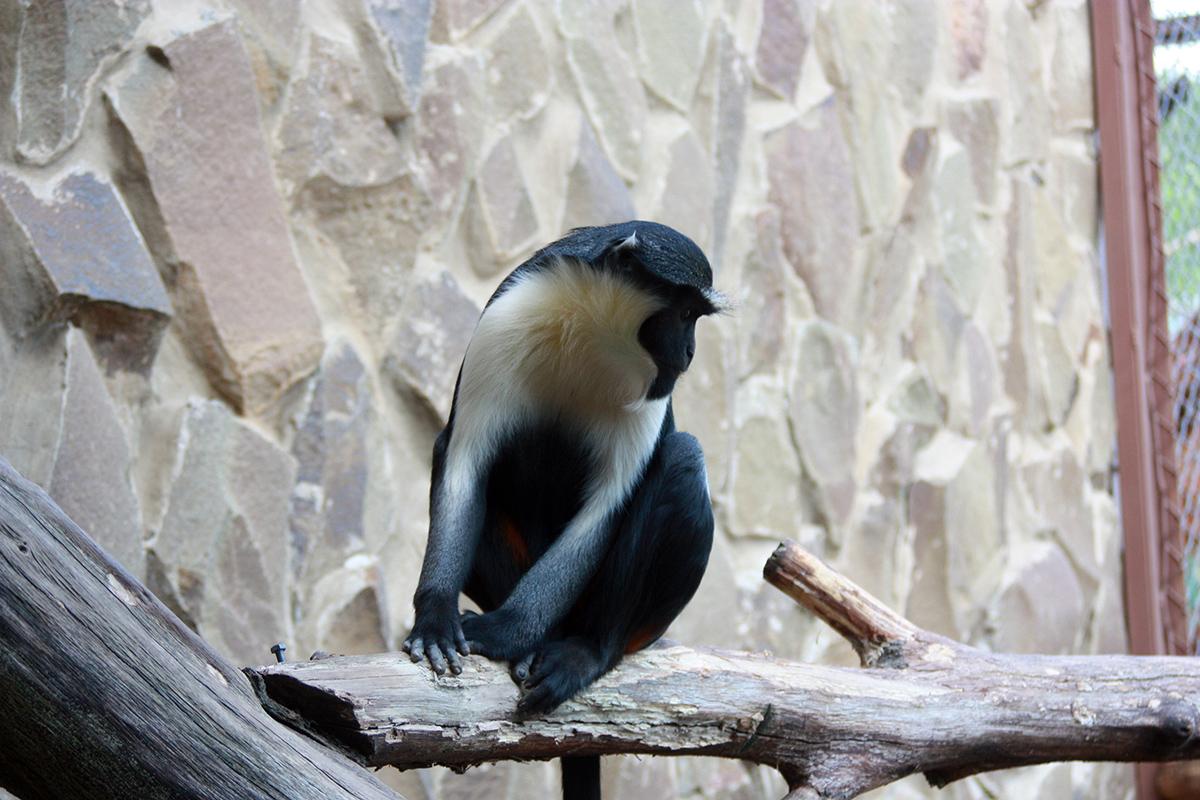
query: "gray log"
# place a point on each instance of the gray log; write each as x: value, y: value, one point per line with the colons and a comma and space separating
x: 926, y: 704
x: 105, y: 694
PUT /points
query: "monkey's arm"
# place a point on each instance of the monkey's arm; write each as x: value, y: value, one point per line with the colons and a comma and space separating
x: 456, y: 510
x: 546, y: 593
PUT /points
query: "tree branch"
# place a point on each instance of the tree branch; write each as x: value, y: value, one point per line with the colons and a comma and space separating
x: 927, y: 704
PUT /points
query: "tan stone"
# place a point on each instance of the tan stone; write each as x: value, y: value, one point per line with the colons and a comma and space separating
x: 330, y: 127
x: 671, y: 44
x: 824, y: 409
x: 1041, y: 609
x: 611, y: 94
x: 517, y: 66
x: 765, y: 475
x: 376, y: 230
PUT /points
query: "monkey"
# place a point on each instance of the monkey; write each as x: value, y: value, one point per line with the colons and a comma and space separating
x: 563, y: 500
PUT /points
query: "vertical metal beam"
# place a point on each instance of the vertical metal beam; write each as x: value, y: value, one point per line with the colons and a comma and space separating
x: 1123, y: 42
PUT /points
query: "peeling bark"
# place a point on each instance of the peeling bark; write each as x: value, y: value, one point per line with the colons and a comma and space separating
x: 921, y: 703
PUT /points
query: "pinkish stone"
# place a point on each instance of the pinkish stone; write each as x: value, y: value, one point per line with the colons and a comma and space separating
x: 811, y: 183
x: 193, y: 115
x: 968, y: 29
x: 782, y: 42
x: 91, y: 480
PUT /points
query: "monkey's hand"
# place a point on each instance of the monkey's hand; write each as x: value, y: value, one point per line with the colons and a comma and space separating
x: 438, y: 636
x: 496, y: 634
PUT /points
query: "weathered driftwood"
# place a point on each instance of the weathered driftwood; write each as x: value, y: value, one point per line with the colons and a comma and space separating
x: 105, y: 694
x: 921, y: 704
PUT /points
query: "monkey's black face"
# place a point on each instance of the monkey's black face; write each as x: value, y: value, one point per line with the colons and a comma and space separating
x: 669, y: 336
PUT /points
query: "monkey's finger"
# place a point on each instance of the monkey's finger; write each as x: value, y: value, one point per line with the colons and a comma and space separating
x: 436, y: 661
x: 455, y: 660
x: 415, y: 649
x: 522, y: 667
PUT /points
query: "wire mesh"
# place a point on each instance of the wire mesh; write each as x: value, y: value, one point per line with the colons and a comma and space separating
x: 1177, y: 68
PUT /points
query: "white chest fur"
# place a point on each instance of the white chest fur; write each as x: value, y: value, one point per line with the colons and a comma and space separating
x: 561, y: 344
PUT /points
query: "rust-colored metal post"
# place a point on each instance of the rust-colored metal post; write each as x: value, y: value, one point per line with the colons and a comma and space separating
x: 1123, y: 43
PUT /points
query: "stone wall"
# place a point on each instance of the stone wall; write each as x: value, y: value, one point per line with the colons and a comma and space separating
x: 245, y: 242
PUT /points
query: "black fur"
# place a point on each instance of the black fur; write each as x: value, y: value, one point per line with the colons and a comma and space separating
x: 616, y: 590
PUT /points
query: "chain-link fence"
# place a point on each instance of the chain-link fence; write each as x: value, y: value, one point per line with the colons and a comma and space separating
x: 1177, y: 64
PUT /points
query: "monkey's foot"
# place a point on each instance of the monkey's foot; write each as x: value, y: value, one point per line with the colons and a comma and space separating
x: 555, y: 673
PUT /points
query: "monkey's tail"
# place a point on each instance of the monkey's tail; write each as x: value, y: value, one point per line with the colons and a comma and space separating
x: 581, y: 777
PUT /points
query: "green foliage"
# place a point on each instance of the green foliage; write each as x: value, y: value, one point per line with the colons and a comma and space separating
x: 1179, y: 177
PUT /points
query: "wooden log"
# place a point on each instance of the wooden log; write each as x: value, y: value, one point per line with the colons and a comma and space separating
x: 106, y: 694
x: 929, y: 705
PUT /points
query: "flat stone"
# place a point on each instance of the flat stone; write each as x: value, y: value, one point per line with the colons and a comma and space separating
x: 729, y: 128
x: 819, y: 227
x: 762, y: 321
x: 1059, y: 375
x: 376, y: 230
x: 222, y: 546
x: 928, y: 604
x: 981, y: 375
x: 1030, y: 128
x: 687, y: 198
x: 962, y: 497
x: 33, y: 383
x: 330, y: 448
x: 449, y: 130
x: 426, y: 350
x: 91, y: 480
x: 1070, y: 81
x: 404, y: 26
x: 612, y: 94
x: 63, y: 47
x: 342, y: 611
x: 782, y: 42
x: 197, y: 129
x: 454, y: 19
x: 914, y: 39
x: 504, y: 201
x: 596, y: 194
x: 1041, y: 609
x: 330, y: 126
x: 77, y: 256
x: 517, y: 67
x: 671, y: 44
x: 824, y: 408
x: 964, y: 251
x: 968, y: 31
x: 974, y: 124
x: 765, y: 473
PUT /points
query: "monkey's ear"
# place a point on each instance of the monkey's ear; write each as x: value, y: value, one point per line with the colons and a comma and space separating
x: 624, y: 250
x: 627, y: 243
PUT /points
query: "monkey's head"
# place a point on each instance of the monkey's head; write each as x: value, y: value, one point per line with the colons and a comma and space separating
x: 662, y: 263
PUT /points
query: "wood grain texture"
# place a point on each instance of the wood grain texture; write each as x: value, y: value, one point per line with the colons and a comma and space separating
x: 108, y: 695
x: 928, y: 705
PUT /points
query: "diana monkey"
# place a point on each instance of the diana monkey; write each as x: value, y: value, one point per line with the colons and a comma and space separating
x: 563, y: 500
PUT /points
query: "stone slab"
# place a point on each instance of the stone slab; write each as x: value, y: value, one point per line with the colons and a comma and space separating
x: 192, y: 111
x: 77, y: 255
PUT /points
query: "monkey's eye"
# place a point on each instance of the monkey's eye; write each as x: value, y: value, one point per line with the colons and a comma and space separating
x: 687, y: 314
